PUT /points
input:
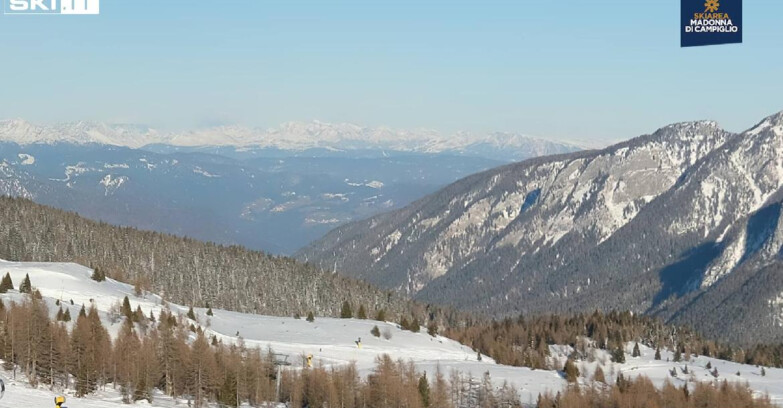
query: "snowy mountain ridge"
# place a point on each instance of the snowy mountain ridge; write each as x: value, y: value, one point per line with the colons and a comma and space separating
x: 674, y: 224
x: 290, y: 136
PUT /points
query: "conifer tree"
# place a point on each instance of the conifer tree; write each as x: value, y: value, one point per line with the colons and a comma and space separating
x: 126, y: 308
x: 345, y: 311
x: 571, y: 371
x: 432, y: 329
x: 618, y: 355
x: 599, y: 376
x: 310, y: 317
x: 376, y: 331
x: 26, y: 286
x: 414, y: 325
x: 677, y: 355
x: 362, y: 313
x: 191, y: 314
x: 98, y: 275
x: 381, y: 315
x: 6, y: 284
x: 424, y: 390
x: 138, y: 315
x: 657, y: 353
x: 209, y: 311
x: 404, y: 324
x: 202, y: 370
x: 67, y: 315
x: 636, y: 352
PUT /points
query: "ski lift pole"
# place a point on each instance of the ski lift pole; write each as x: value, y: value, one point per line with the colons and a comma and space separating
x: 277, y: 384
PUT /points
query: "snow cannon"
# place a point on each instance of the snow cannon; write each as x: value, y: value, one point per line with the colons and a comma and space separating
x: 59, y: 401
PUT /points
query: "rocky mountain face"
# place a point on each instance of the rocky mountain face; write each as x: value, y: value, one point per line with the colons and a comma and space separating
x: 681, y: 224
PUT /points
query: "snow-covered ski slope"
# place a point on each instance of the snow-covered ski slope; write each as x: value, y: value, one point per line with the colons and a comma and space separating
x: 333, y: 342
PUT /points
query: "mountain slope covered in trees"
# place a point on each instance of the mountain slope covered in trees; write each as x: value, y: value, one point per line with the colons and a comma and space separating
x: 183, y: 270
x: 682, y: 224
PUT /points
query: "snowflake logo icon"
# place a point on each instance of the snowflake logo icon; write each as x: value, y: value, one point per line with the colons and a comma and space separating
x: 711, y: 6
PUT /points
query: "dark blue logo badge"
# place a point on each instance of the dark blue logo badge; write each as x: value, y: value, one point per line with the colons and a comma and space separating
x: 710, y: 22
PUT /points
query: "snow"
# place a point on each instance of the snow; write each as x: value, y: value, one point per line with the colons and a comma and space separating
x: 659, y: 371
x: 26, y: 159
x: 199, y: 170
x: 332, y: 342
x: 291, y: 136
x: 375, y: 184
x: 112, y: 184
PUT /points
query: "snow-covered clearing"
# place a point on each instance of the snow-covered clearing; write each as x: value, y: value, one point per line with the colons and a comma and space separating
x: 334, y: 342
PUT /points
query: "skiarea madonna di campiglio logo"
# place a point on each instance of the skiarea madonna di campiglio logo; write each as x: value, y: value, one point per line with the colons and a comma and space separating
x: 711, y: 22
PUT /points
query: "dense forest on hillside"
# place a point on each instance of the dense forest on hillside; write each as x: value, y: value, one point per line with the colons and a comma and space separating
x: 184, y: 270
x: 524, y: 341
x: 169, y: 353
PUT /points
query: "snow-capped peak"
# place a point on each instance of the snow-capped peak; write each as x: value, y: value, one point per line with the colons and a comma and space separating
x: 295, y: 136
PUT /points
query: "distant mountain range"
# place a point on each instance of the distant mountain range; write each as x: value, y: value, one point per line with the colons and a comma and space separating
x: 314, y: 137
x: 221, y: 185
x: 683, y: 224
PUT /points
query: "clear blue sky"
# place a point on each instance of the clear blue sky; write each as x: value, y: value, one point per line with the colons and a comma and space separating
x: 569, y: 69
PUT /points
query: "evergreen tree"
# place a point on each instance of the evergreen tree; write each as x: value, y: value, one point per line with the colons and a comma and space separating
x: 404, y: 324
x: 126, y: 308
x: 424, y: 390
x: 618, y: 355
x: 677, y: 355
x: 376, y: 331
x: 599, y: 376
x: 415, y: 326
x: 432, y: 329
x: 346, y: 312
x: 636, y: 352
x: 381, y: 315
x: 26, y: 286
x: 209, y: 312
x: 67, y: 315
x: 191, y: 314
x: 571, y: 371
x: 310, y: 317
x: 138, y: 315
x: 657, y: 353
x: 6, y: 284
x: 362, y: 314
x: 98, y: 275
